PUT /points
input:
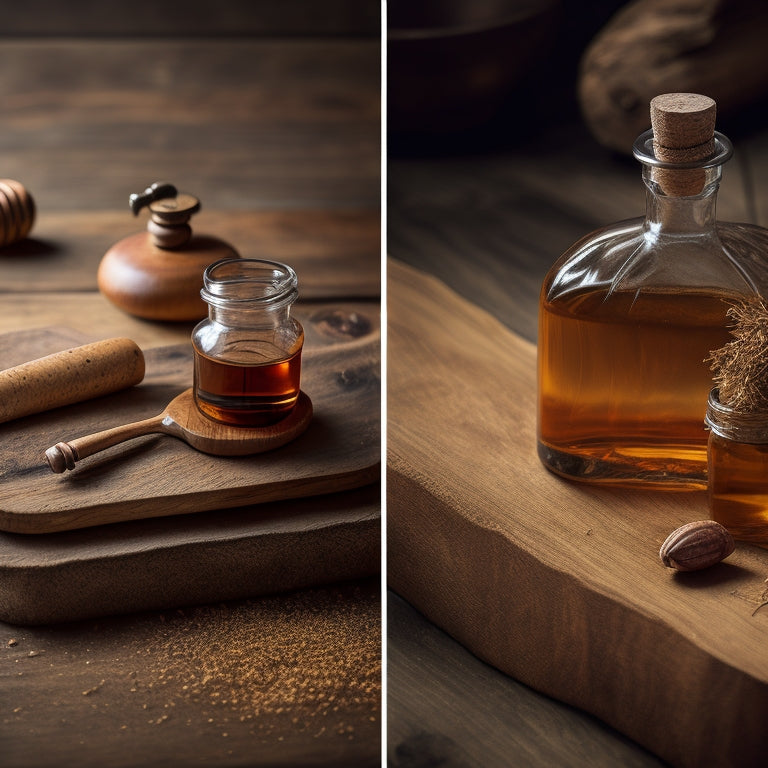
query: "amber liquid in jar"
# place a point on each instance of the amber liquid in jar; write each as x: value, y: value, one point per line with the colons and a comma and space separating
x: 623, y: 385
x: 738, y: 487
x: 247, y: 394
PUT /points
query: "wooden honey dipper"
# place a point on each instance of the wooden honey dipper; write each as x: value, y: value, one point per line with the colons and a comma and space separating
x: 17, y: 212
x: 71, y: 376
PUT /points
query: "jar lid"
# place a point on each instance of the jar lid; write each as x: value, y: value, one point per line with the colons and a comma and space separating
x: 733, y: 424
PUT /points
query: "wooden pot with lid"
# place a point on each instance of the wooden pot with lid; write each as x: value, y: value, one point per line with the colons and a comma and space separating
x: 157, y: 274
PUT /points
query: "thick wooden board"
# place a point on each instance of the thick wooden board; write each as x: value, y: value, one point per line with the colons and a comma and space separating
x: 555, y: 583
x: 146, y: 564
x: 159, y: 475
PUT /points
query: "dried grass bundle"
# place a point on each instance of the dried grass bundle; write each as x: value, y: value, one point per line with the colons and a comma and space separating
x: 741, y: 366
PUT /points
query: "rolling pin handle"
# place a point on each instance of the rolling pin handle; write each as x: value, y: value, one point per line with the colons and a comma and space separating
x: 61, y: 457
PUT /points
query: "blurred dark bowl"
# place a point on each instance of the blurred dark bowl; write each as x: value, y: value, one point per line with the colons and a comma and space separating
x: 451, y: 64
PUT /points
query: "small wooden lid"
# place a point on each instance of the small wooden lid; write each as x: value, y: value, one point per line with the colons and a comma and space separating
x: 174, y: 210
x: 683, y: 132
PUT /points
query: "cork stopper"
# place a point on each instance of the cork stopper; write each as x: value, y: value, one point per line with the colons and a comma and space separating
x: 683, y: 132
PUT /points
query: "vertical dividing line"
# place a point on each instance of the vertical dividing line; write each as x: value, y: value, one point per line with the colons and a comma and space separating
x: 383, y: 357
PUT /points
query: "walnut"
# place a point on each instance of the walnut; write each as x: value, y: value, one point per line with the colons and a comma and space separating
x: 696, y: 545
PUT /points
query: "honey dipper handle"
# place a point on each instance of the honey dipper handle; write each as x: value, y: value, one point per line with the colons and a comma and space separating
x: 63, y: 456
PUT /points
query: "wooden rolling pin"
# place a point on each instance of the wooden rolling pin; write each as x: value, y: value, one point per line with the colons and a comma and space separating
x: 69, y: 377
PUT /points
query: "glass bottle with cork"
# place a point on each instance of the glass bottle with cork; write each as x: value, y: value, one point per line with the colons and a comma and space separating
x: 629, y: 314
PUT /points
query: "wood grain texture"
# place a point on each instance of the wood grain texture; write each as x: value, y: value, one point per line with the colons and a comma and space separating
x: 231, y: 684
x: 574, y: 600
x: 157, y: 476
x: 334, y: 252
x: 145, y: 565
x: 246, y: 124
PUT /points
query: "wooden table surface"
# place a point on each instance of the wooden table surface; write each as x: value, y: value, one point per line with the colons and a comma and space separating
x: 489, y: 217
x: 280, y: 140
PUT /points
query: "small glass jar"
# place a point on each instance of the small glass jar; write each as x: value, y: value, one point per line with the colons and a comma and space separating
x: 738, y: 470
x: 247, y: 353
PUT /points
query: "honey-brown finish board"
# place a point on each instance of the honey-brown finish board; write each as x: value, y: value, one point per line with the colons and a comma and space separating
x: 555, y: 583
x: 160, y: 475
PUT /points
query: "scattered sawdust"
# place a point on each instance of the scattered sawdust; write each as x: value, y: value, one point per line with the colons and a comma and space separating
x: 290, y: 665
x: 293, y: 668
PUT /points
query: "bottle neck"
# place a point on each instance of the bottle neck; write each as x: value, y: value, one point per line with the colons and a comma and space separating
x: 250, y: 317
x: 670, y: 215
x: 249, y: 293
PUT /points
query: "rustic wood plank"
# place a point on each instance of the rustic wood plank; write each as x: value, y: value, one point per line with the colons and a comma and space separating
x: 84, y: 312
x: 145, y: 565
x: 239, y: 123
x: 336, y: 253
x: 283, y: 680
x: 575, y: 602
x: 157, y: 476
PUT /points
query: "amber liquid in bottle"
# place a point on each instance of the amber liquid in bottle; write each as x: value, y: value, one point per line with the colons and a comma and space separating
x: 247, y: 394
x: 623, y: 385
x: 738, y: 494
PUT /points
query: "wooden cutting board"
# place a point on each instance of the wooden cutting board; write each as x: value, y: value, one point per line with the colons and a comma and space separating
x: 555, y: 583
x: 170, y: 562
x: 158, y: 475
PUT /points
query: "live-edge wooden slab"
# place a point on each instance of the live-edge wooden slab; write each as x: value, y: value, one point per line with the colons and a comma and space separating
x: 555, y: 583
x: 160, y: 475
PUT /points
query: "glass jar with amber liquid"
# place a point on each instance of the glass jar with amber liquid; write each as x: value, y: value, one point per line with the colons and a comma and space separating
x: 247, y: 353
x: 738, y: 469
x: 629, y: 315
